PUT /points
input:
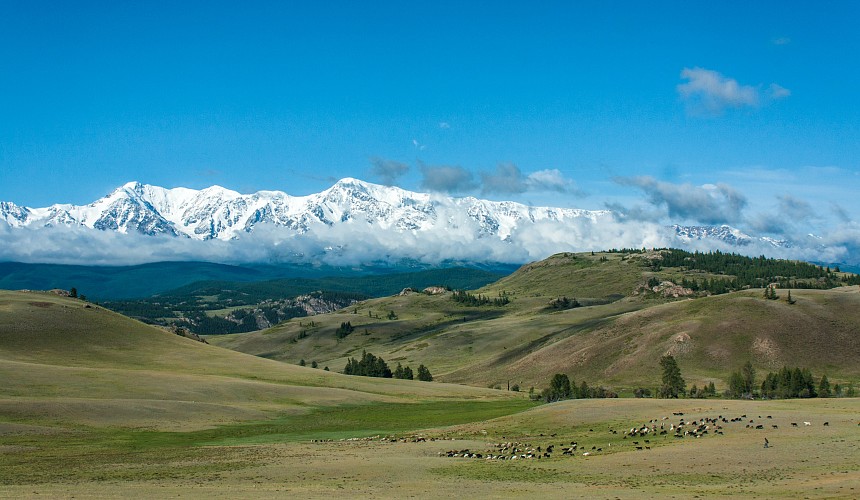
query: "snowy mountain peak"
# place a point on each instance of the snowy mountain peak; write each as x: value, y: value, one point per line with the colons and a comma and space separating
x: 130, y: 187
x: 220, y: 213
x: 391, y: 220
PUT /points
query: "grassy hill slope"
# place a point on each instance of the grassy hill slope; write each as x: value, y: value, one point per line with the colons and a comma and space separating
x: 63, y: 361
x: 710, y: 337
x: 616, y: 339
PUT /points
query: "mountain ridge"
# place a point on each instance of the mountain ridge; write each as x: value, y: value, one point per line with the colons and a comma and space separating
x: 351, y: 223
x: 219, y: 213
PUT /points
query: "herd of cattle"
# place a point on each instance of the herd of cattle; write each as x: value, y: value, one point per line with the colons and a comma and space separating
x: 638, y: 437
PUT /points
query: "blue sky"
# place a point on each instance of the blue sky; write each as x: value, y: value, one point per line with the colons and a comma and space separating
x: 744, y: 113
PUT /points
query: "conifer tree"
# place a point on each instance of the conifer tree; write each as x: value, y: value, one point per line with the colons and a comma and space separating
x: 559, y: 388
x: 824, y: 387
x: 424, y: 374
x: 673, y: 383
x: 748, y: 374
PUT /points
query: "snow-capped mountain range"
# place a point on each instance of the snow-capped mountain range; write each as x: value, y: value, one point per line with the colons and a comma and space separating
x: 352, y: 222
x: 726, y: 234
x: 219, y: 213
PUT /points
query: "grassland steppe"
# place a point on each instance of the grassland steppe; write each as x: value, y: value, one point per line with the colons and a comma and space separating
x: 96, y: 405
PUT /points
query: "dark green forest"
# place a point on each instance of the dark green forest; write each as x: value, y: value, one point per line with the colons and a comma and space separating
x: 756, y: 272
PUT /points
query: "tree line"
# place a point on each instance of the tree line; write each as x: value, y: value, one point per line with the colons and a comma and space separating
x: 374, y: 366
x: 754, y: 271
x: 561, y: 387
x: 786, y: 383
x: 468, y: 299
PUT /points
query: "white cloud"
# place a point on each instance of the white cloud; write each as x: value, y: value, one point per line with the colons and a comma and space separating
x: 444, y: 125
x: 550, y: 180
x: 777, y: 91
x: 709, y: 92
x: 706, y: 204
x: 509, y: 179
x: 783, y: 40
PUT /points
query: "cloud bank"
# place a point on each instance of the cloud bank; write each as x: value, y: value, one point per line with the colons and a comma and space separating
x: 352, y: 243
x: 707, y: 204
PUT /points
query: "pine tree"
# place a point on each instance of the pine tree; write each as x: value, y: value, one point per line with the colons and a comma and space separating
x: 424, y: 374
x: 748, y: 374
x: 559, y: 388
x: 673, y: 383
x: 736, y: 385
x: 584, y: 391
x: 824, y: 387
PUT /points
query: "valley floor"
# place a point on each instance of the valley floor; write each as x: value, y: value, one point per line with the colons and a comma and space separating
x: 813, y: 461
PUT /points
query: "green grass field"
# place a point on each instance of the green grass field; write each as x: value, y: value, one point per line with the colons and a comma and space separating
x: 350, y: 449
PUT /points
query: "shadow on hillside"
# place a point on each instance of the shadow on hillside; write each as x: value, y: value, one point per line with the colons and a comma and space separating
x: 464, y: 318
x: 519, y: 352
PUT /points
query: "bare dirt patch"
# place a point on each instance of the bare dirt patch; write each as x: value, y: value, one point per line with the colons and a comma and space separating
x: 681, y: 344
x: 766, y: 350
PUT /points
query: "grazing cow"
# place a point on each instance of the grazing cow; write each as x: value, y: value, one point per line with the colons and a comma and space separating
x: 826, y: 423
x: 807, y: 423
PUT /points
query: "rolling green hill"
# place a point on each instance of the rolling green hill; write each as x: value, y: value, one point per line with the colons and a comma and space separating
x: 64, y: 360
x: 614, y: 338
x: 141, y: 412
